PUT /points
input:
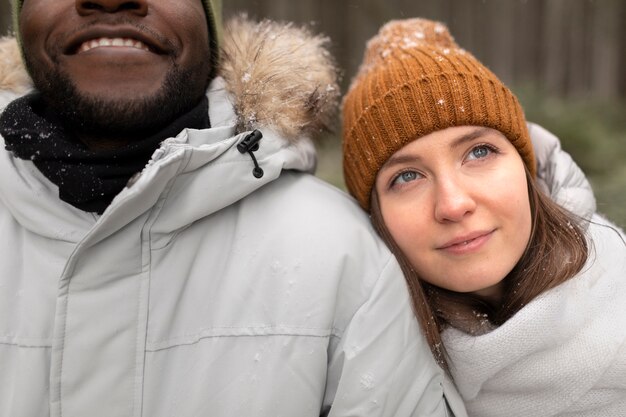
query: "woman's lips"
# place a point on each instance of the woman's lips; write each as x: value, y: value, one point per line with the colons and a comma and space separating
x: 467, y: 244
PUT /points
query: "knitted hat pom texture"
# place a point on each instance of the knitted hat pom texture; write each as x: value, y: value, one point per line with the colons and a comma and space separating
x: 415, y: 80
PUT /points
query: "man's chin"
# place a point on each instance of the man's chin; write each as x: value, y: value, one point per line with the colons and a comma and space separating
x: 119, y: 111
x: 117, y: 117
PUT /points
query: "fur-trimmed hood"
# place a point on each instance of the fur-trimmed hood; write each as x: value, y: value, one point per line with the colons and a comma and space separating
x: 279, y: 75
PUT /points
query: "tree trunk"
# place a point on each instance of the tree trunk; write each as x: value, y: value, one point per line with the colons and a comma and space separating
x: 5, y: 16
x: 605, y: 57
x: 555, y: 45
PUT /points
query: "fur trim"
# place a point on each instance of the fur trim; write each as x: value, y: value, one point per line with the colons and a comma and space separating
x: 13, y: 76
x: 279, y: 75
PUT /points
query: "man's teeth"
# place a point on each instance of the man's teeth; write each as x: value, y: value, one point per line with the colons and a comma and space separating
x: 95, y: 43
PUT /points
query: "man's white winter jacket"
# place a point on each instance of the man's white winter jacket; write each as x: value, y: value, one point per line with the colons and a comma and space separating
x: 203, y: 290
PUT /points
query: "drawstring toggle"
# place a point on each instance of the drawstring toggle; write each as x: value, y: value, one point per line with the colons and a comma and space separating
x: 250, y: 144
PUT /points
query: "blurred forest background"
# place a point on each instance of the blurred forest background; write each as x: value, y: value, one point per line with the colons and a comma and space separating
x: 565, y: 60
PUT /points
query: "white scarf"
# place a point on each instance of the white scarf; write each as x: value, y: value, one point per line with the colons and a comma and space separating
x: 562, y: 354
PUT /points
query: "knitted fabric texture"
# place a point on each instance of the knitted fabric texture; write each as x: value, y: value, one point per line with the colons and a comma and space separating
x: 213, y: 9
x: 415, y: 80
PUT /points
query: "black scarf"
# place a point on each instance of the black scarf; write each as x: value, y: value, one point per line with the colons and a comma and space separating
x: 87, y: 179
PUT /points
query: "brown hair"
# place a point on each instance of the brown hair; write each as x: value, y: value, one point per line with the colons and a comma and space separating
x: 557, y: 250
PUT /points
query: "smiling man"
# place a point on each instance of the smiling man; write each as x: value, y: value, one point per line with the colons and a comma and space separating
x: 165, y: 248
x: 129, y: 67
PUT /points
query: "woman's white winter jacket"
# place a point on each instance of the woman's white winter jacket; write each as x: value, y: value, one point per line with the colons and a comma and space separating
x: 563, y: 354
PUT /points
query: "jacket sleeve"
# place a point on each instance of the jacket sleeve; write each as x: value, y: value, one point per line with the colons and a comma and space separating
x: 381, y: 365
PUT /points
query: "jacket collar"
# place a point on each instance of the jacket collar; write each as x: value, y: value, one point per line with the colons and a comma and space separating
x: 190, y: 176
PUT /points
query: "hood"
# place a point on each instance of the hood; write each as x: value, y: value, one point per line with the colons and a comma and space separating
x: 279, y: 75
x: 559, y: 176
x: 14, y: 80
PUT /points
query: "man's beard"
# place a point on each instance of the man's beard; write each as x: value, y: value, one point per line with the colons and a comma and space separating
x: 120, y: 118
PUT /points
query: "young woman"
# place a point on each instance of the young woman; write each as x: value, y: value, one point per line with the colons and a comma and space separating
x: 519, y: 286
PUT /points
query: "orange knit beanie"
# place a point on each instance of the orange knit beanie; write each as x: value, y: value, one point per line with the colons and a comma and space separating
x: 415, y: 80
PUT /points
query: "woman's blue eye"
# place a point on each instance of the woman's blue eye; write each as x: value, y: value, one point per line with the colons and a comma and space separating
x: 406, y: 176
x: 479, y: 152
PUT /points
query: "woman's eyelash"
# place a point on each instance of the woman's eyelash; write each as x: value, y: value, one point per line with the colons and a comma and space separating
x: 489, y: 147
x: 492, y: 147
x: 395, y: 179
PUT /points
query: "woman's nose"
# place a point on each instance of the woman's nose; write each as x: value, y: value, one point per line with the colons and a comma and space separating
x: 453, y: 200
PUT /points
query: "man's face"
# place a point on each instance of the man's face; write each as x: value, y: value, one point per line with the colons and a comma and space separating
x: 117, y: 66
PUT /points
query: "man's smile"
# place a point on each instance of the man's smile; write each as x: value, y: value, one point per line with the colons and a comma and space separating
x: 119, y: 36
x: 112, y: 67
x: 112, y: 42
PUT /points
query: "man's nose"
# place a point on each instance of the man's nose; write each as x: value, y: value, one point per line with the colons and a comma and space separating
x: 453, y: 200
x: 87, y: 7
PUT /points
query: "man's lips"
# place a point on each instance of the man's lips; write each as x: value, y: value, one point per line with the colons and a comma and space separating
x: 114, y: 37
x: 465, y: 240
x: 112, y: 42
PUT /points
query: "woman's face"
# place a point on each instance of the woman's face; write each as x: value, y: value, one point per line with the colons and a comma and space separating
x: 456, y: 203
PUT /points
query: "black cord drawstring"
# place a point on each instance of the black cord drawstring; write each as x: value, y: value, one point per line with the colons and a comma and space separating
x: 250, y: 144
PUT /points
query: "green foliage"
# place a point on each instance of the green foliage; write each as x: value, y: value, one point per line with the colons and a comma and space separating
x: 595, y: 135
x: 329, y: 161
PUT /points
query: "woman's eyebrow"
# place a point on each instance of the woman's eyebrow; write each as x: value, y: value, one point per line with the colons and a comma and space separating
x: 470, y: 136
x: 399, y: 160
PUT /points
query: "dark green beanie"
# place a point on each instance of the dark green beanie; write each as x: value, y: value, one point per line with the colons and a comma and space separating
x: 213, y: 9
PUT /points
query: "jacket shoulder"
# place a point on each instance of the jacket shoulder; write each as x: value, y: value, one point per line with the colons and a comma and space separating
x: 316, y: 222
x: 315, y: 206
x: 559, y: 176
